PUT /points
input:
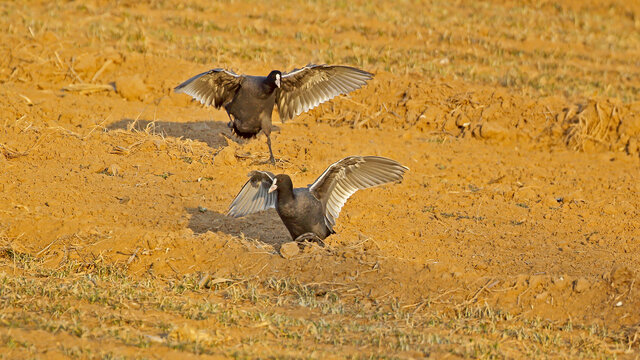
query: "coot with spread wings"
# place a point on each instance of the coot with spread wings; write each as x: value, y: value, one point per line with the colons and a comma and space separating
x: 310, y: 213
x: 249, y: 100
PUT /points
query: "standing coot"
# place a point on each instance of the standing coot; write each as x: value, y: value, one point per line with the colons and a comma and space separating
x: 310, y: 213
x: 249, y: 100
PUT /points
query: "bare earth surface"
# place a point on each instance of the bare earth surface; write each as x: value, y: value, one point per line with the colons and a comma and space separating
x: 515, y: 234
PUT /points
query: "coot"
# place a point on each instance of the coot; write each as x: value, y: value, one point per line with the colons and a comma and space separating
x: 310, y: 213
x: 249, y: 100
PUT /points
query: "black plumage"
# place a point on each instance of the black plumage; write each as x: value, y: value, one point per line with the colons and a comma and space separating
x: 249, y: 100
x: 311, y: 212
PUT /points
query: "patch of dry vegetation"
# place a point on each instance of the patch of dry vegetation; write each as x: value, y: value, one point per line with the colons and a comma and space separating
x: 98, y: 303
x: 573, y: 53
x: 540, y: 48
x: 544, y: 72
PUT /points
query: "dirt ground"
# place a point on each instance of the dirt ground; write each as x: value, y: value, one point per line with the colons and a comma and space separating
x: 515, y: 234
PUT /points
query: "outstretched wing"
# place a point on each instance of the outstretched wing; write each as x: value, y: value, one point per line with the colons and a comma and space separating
x: 343, y: 178
x: 255, y: 195
x: 215, y: 87
x: 303, y: 89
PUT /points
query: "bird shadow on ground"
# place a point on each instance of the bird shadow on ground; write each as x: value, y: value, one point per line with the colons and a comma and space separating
x: 264, y: 226
x: 213, y: 133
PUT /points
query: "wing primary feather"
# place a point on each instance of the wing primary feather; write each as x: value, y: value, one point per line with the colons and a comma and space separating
x: 255, y: 201
x: 236, y: 205
x: 297, y: 106
x: 315, y: 96
x: 367, y: 179
x: 338, y: 84
x: 356, y: 77
x: 332, y: 89
x: 264, y: 199
x: 322, y: 93
x: 382, y: 177
x: 338, y: 189
x: 345, y: 177
x: 260, y: 199
x: 243, y: 204
x: 351, y: 83
x: 253, y: 196
x: 361, y: 182
x: 306, y: 101
x: 373, y: 172
x: 212, y: 87
x: 350, y: 183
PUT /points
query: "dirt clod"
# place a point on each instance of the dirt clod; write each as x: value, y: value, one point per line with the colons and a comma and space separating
x: 289, y: 250
x: 226, y: 156
x: 561, y: 282
x: 609, y: 209
x: 550, y: 201
x: 580, y: 285
x: 622, y: 276
x: 525, y: 194
x: 494, y: 131
x: 131, y: 87
x: 114, y: 170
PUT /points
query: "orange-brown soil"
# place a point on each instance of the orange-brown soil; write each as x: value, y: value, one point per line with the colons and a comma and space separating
x: 516, y: 232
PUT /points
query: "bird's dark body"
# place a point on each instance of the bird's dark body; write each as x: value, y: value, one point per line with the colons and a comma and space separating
x: 249, y: 100
x: 252, y: 107
x: 302, y: 213
x: 310, y: 213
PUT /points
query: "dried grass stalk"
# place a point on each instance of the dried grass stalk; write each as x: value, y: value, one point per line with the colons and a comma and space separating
x: 88, y: 88
x: 588, y: 123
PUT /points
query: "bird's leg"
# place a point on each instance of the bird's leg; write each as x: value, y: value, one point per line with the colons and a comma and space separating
x: 265, y: 125
x: 230, y: 123
x: 310, y: 237
x: 271, y: 158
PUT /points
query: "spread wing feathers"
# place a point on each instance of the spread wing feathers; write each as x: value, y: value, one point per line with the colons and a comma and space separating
x: 303, y: 89
x: 254, y: 195
x: 343, y: 178
x: 215, y: 87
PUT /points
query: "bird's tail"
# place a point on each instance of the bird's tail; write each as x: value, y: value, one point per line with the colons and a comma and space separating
x: 242, y: 134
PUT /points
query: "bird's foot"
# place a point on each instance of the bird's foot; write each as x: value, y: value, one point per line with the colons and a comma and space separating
x: 273, y: 161
x: 264, y: 162
x: 310, y: 237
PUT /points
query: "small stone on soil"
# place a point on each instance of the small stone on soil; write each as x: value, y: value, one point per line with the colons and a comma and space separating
x: 550, y: 201
x: 131, y: 87
x: 114, y: 170
x: 226, y: 156
x: 491, y: 130
x: 289, y: 250
x: 609, y: 209
x: 524, y: 195
x: 581, y: 285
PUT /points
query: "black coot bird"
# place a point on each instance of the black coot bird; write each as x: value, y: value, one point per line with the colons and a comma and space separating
x: 249, y: 100
x: 310, y: 213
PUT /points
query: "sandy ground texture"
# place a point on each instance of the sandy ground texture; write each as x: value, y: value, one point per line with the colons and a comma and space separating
x: 515, y: 234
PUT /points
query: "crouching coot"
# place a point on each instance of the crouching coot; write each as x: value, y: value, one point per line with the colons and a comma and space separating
x: 310, y: 213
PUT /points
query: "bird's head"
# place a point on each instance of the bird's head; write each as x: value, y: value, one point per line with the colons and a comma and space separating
x: 282, y: 182
x: 275, y: 78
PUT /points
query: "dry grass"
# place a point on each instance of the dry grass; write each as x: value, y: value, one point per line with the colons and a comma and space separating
x: 98, y: 303
x: 539, y: 49
x: 89, y: 306
x: 591, y: 125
